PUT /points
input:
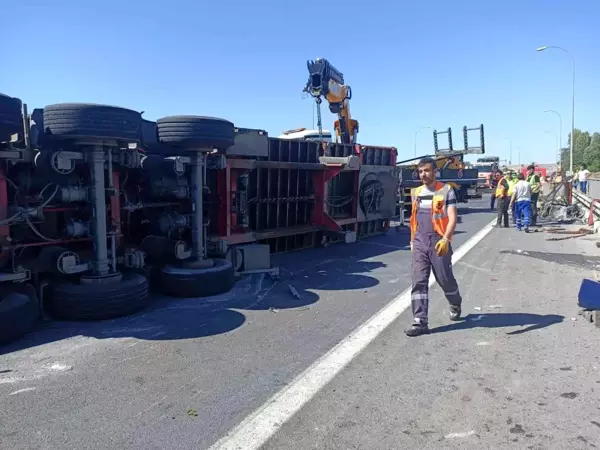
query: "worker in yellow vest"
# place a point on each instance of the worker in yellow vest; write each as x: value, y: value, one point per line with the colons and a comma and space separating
x: 432, y: 223
x: 512, y: 181
x: 535, y: 182
x: 503, y: 201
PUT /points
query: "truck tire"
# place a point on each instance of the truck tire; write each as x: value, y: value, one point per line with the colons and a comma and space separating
x: 11, y: 121
x: 190, y: 283
x: 96, y: 122
x: 18, y: 315
x: 198, y: 131
x: 98, y: 301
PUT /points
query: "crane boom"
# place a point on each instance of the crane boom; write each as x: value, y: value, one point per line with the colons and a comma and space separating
x: 325, y: 81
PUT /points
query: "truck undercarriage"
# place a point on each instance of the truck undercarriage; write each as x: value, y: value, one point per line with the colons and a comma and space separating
x: 99, y: 207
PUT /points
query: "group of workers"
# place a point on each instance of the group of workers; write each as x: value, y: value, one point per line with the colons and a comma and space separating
x: 432, y: 224
x: 518, y: 194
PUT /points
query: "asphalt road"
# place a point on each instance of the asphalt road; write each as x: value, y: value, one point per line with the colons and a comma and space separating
x: 182, y: 374
x: 521, y: 372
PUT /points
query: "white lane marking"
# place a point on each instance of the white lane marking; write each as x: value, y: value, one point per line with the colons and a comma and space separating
x: 254, y: 431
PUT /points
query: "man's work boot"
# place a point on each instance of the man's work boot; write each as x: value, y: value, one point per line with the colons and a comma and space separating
x: 526, y: 229
x: 455, y: 312
x: 417, y: 329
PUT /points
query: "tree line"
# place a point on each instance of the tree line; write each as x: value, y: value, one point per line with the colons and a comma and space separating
x: 586, y: 151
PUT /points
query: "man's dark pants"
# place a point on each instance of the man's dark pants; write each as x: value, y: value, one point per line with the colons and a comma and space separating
x: 492, y: 201
x: 503, y: 203
x: 534, y: 208
x: 424, y: 260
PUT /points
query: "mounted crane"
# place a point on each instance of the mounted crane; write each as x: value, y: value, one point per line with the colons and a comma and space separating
x: 325, y: 81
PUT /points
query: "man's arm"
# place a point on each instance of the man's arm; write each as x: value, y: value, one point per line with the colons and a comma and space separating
x: 452, y: 219
x: 452, y: 215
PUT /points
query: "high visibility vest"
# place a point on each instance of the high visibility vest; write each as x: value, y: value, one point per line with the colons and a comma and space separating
x: 511, y: 186
x: 534, y: 186
x: 501, y: 191
x: 439, y: 209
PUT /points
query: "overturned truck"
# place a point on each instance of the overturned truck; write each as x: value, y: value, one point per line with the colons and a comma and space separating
x: 99, y: 206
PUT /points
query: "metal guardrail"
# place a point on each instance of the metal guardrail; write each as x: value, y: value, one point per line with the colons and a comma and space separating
x: 593, y: 189
x: 585, y: 200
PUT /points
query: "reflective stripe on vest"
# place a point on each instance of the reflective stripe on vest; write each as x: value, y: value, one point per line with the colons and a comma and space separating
x: 534, y: 187
x: 501, y: 190
x: 439, y: 209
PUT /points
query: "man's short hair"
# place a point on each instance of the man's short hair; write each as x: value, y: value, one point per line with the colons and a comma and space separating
x: 530, y: 167
x: 426, y: 161
x: 520, y: 176
x: 499, y: 172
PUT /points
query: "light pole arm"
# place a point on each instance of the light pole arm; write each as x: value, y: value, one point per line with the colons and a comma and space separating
x: 572, y: 143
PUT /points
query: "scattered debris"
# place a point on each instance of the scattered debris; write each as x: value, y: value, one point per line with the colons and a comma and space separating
x: 462, y: 434
x: 522, y: 252
x: 517, y: 429
x: 477, y: 308
x: 22, y: 390
x: 192, y: 413
x: 495, y: 306
x: 591, y: 316
x: 294, y: 292
x: 570, y: 233
x: 570, y: 395
x: 273, y: 310
x: 61, y: 367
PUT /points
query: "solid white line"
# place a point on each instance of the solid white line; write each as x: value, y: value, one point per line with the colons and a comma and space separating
x: 258, y: 427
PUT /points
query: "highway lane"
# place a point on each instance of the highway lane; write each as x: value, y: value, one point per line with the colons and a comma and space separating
x: 521, y: 372
x: 182, y: 374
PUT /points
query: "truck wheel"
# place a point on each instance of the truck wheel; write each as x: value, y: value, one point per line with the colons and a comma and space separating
x: 96, y: 122
x: 18, y: 315
x: 11, y: 121
x: 191, y: 282
x: 99, y: 301
x: 208, y: 132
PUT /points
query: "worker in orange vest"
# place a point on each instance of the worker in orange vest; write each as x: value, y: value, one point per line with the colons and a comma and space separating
x: 432, y: 225
x: 503, y: 200
x: 493, y: 180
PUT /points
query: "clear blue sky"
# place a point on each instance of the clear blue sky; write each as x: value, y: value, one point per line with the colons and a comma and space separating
x: 410, y: 63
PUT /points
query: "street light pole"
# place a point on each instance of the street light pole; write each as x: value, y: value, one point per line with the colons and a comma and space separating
x: 558, y: 160
x: 416, y: 133
x: 541, y: 49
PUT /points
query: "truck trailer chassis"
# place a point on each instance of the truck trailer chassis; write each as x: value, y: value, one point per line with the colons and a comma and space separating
x: 99, y: 206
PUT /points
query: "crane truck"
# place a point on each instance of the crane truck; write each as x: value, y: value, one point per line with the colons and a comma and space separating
x: 326, y: 82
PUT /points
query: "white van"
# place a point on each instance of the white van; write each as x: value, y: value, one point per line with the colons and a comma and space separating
x: 306, y: 135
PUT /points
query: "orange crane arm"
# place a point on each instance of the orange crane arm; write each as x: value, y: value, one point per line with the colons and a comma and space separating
x: 325, y: 81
